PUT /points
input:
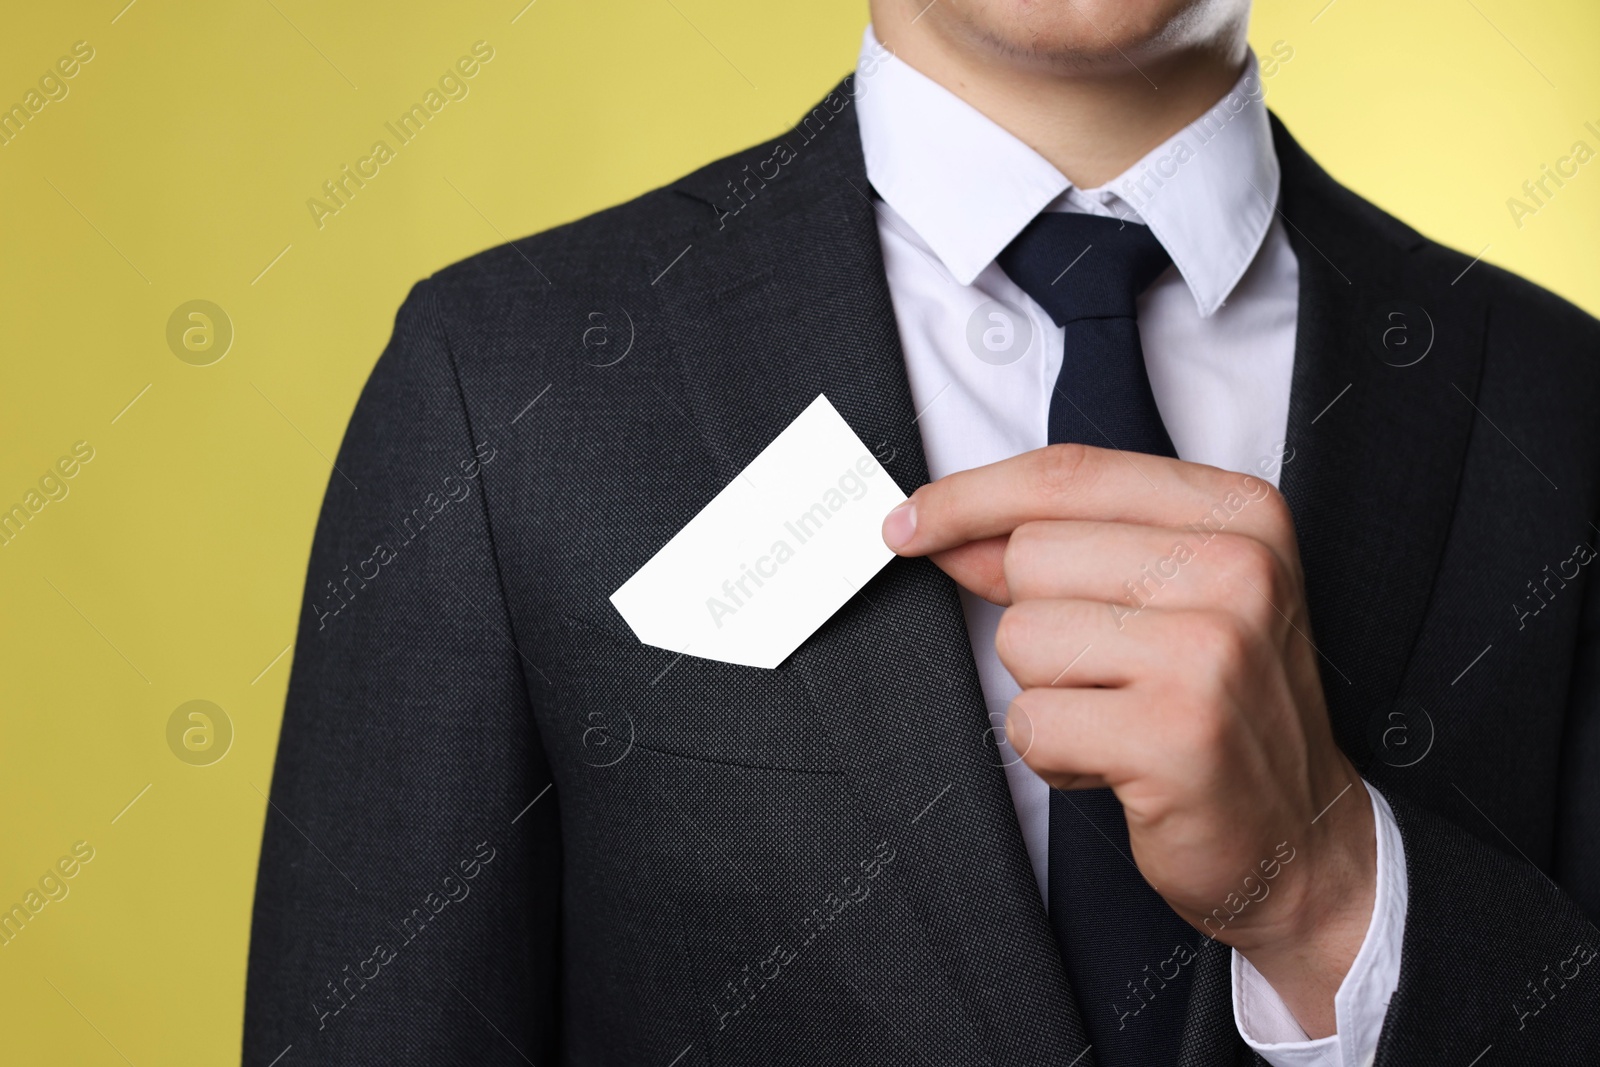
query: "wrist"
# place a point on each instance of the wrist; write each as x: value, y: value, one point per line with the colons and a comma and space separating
x: 1306, y: 946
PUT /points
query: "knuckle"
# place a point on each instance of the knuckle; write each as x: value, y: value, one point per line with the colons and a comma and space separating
x: 1021, y: 731
x: 1248, y: 560
x: 1220, y: 644
x: 1029, y: 637
x: 1265, y: 499
x: 1013, y: 634
x: 1204, y: 721
x: 1022, y: 553
x: 1061, y: 468
x: 1030, y: 535
x: 1202, y: 686
x: 1271, y: 497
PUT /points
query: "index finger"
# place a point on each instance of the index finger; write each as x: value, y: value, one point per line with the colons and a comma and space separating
x: 1071, y: 481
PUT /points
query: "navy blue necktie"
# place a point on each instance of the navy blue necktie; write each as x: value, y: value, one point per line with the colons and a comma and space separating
x: 1127, y: 954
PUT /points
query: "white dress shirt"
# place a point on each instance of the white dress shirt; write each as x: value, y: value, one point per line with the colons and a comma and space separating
x: 1217, y: 328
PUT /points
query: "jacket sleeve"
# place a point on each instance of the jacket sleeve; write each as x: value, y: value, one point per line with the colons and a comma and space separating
x: 406, y: 909
x: 1497, y: 961
x: 1577, y: 865
x: 1501, y: 959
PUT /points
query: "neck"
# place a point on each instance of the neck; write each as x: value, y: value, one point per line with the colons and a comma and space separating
x: 1091, y: 120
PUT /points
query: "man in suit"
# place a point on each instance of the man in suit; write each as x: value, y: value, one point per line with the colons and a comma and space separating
x: 1234, y: 698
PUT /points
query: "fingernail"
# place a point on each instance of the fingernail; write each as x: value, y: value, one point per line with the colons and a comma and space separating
x: 899, y: 526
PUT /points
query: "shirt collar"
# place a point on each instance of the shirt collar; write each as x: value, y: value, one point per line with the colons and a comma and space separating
x: 968, y: 187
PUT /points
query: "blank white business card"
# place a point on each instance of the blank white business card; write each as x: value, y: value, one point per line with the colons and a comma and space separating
x: 774, y: 555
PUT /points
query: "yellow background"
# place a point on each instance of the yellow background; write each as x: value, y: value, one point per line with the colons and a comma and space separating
x: 178, y: 168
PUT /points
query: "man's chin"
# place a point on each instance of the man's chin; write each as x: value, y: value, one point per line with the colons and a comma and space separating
x: 1086, y: 34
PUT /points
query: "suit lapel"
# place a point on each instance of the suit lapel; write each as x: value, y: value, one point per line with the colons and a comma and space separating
x: 788, y: 299
x: 1387, y: 357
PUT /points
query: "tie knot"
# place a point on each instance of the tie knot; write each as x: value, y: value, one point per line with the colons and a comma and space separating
x: 1079, y: 266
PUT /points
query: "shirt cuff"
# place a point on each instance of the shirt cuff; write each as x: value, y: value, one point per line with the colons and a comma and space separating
x: 1267, y: 1025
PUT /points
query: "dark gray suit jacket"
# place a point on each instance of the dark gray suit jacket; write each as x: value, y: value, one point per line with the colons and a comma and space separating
x: 504, y: 831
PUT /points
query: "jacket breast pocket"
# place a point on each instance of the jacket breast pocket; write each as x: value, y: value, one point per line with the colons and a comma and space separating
x: 612, y: 692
